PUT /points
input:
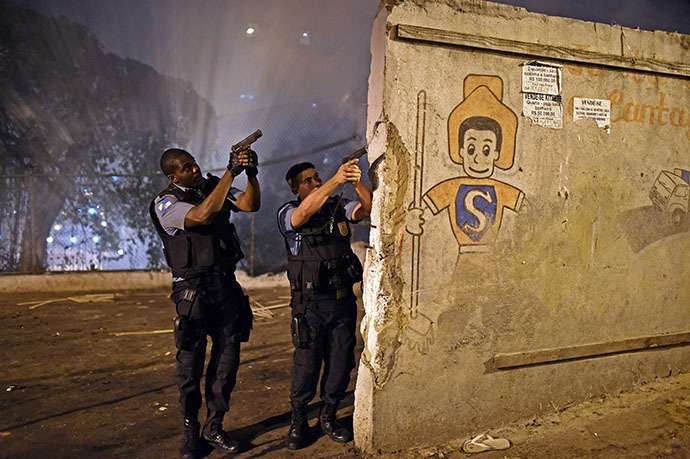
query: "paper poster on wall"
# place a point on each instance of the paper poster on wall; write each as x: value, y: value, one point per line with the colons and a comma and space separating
x: 541, y: 89
x: 541, y: 78
x: 598, y: 110
x: 543, y: 109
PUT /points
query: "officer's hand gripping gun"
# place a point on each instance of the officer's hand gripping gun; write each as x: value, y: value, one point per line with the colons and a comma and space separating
x: 234, y: 165
x: 356, y: 155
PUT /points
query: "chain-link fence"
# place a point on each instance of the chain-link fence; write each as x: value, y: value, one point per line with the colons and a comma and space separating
x: 100, y: 221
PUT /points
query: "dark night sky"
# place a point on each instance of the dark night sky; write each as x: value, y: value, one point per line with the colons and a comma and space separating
x: 205, y: 42
x: 668, y: 15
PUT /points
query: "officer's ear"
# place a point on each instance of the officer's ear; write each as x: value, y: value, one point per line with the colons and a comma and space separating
x: 293, y: 188
x: 172, y: 178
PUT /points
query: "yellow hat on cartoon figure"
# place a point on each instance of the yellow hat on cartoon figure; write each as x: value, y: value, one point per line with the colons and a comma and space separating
x: 482, y: 97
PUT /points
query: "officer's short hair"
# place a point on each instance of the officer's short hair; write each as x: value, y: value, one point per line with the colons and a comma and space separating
x: 480, y: 123
x: 294, y: 171
x: 169, y: 159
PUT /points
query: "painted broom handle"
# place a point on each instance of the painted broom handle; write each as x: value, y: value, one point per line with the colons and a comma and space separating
x: 418, y: 170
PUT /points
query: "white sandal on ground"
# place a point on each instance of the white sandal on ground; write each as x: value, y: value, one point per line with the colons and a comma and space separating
x: 484, y: 442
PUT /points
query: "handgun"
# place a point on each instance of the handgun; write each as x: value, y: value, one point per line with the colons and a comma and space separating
x: 246, y: 142
x: 356, y: 155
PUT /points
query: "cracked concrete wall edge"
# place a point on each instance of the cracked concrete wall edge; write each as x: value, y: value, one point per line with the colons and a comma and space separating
x: 382, y: 327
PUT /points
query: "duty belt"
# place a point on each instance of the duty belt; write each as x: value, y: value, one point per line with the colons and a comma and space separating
x: 330, y: 294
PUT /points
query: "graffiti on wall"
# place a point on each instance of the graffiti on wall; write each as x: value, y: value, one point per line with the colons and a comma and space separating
x: 625, y: 109
x: 481, y: 138
x: 667, y: 216
x: 670, y: 194
x: 482, y: 133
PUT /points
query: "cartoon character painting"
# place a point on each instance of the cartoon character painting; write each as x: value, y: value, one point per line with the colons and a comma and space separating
x: 482, y: 133
x: 481, y: 137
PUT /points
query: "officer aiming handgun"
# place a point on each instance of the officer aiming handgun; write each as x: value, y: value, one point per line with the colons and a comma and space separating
x: 322, y: 270
x: 192, y: 217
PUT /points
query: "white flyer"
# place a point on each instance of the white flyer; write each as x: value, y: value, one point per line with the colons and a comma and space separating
x: 541, y: 78
x: 598, y: 110
x: 543, y: 109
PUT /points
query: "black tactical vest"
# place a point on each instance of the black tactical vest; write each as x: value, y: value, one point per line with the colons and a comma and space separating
x: 325, y: 260
x: 201, y: 249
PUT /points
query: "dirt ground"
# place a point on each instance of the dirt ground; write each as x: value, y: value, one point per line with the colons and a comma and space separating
x: 96, y: 379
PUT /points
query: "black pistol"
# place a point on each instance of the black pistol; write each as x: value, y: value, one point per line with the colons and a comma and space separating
x: 356, y: 155
x: 246, y: 142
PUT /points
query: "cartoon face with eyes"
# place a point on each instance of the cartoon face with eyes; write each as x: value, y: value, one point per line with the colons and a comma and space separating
x: 480, y: 145
x: 481, y: 138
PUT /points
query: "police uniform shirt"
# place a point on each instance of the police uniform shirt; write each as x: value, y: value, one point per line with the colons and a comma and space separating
x: 171, y: 212
x: 292, y: 236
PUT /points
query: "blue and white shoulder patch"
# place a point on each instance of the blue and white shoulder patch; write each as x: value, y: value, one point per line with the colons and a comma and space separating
x: 163, y: 205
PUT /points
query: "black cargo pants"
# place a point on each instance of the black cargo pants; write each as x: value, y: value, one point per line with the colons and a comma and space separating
x: 215, y: 312
x: 334, y: 322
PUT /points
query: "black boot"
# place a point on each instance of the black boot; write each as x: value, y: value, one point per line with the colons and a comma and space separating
x: 330, y: 426
x: 216, y: 437
x: 299, y: 430
x: 192, y: 448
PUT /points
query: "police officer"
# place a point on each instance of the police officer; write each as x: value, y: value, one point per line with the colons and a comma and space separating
x: 322, y: 270
x: 201, y: 247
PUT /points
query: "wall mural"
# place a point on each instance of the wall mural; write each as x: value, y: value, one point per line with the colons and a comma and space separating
x: 481, y: 137
x: 624, y: 106
x: 482, y: 134
x: 668, y: 214
x: 670, y: 194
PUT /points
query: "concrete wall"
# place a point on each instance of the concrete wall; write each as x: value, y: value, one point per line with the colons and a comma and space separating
x: 551, y: 243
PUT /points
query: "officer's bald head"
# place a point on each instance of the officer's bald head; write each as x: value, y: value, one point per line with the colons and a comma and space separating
x: 170, y: 159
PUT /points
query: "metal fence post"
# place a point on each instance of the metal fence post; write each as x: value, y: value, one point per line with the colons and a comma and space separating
x: 251, y: 249
x: 32, y: 227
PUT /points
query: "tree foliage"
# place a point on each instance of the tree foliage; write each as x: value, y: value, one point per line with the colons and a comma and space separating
x: 69, y: 109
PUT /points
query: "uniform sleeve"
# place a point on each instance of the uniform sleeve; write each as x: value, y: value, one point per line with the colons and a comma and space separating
x: 285, y: 219
x: 171, y: 212
x: 350, y: 207
x: 231, y: 198
x: 234, y: 193
x: 292, y: 237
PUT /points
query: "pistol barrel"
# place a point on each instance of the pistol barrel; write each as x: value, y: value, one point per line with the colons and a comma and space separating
x: 356, y: 155
x: 247, y: 141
